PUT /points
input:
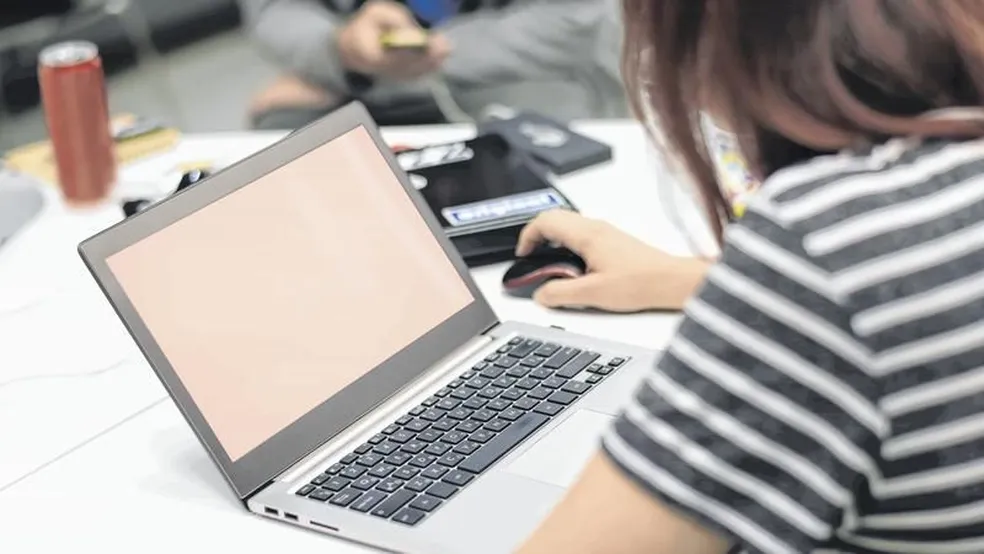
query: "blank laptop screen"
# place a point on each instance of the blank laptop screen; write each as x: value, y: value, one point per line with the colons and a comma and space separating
x: 275, y: 297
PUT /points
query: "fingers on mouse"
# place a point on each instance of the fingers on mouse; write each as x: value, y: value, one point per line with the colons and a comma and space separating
x: 546, y: 263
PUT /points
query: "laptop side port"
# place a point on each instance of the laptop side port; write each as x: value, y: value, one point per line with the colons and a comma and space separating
x: 290, y: 516
x: 323, y: 526
x: 271, y: 511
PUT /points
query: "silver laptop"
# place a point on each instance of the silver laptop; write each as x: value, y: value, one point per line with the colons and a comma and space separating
x: 334, y: 356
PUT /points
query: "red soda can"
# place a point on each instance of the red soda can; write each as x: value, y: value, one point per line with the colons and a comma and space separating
x: 73, y: 93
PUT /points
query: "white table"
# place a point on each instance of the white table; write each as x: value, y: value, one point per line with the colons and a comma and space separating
x: 92, y: 453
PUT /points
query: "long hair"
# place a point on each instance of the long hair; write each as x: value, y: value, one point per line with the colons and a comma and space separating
x: 798, y: 78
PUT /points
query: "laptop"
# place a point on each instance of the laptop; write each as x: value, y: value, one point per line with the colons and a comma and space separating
x: 330, y: 350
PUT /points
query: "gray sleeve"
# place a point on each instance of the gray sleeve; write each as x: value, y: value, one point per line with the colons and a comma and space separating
x: 299, y: 34
x: 527, y: 40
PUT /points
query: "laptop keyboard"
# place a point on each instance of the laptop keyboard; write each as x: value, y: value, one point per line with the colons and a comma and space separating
x: 410, y: 469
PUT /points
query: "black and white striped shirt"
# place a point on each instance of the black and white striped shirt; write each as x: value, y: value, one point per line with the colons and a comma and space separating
x: 825, y: 391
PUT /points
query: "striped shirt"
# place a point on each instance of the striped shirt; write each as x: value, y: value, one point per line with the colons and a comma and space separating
x: 825, y: 391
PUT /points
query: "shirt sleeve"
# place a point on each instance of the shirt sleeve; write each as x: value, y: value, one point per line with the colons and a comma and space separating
x: 759, y: 421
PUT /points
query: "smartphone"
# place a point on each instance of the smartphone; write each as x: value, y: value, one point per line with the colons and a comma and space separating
x: 414, y: 40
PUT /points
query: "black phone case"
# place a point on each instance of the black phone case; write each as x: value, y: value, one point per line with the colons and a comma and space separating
x: 549, y: 142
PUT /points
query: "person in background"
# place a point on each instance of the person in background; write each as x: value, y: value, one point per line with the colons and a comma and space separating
x: 557, y: 57
x: 824, y: 391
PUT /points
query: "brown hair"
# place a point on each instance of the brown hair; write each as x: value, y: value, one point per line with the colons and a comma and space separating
x: 798, y: 78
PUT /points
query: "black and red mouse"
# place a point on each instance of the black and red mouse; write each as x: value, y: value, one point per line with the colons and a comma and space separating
x: 544, y: 264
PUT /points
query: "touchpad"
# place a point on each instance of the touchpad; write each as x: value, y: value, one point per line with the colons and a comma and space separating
x: 559, y: 457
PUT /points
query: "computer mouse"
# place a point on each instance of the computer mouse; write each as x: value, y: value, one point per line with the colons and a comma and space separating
x: 544, y: 264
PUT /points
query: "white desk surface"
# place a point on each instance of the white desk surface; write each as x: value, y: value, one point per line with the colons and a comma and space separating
x: 92, y: 453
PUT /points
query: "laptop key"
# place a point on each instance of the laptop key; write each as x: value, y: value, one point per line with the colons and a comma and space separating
x: 394, y: 503
x: 498, y: 404
x: 510, y: 414
x: 540, y: 393
x: 438, y: 449
x: 453, y: 437
x: 405, y: 419
x: 443, y: 392
x: 442, y: 490
x: 418, y: 484
x: 563, y: 356
x: 414, y: 447
x: 497, y: 425
x: 429, y: 435
x: 553, y: 382
x: 448, y: 404
x: 526, y: 404
x: 431, y: 401
x: 349, y: 458
x: 389, y: 430
x: 426, y: 503
x: 409, y: 516
x: 532, y: 361
x: 576, y: 387
x: 527, y: 383
x: 460, y: 414
x: 352, y: 472
x: 604, y: 370
x: 423, y: 460
x: 382, y: 470
x: 305, y: 490
x: 549, y: 408
x: 492, y: 357
x: 526, y: 348
x: 399, y: 458
x: 417, y: 410
x: 518, y: 372
x: 475, y: 403
x: 390, y: 485
x: 458, y: 478
x: 456, y: 383
x: 406, y: 473
x: 434, y: 472
x: 444, y: 425
x: 561, y: 397
x: 467, y: 447
x: 515, y: 340
x: 369, y: 460
x: 502, y: 444
x: 368, y: 501
x: 494, y: 371
x: 540, y: 373
x: 432, y: 414
x: 504, y: 348
x: 483, y: 415
x: 336, y: 484
x: 463, y: 393
x: 577, y: 365
x: 416, y: 425
x: 504, y: 382
x: 478, y: 383
x: 450, y: 459
x: 321, y: 495
x: 547, y: 350
x: 401, y: 436
x: 363, y: 448
x: 490, y: 392
x: 513, y: 394
x: 482, y: 436
x: 593, y: 379
x: 320, y: 479
x: 506, y: 362
x: 376, y: 439
x: 615, y: 362
x: 365, y: 483
x: 334, y: 469
x: 469, y: 426
x: 345, y: 497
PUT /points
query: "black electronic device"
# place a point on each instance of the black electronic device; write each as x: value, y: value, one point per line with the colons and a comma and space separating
x: 544, y: 264
x: 135, y: 205
x: 483, y: 191
x: 547, y: 141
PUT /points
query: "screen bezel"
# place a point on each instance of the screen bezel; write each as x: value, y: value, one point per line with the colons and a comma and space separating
x: 278, y: 453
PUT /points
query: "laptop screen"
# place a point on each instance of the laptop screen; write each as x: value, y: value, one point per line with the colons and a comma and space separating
x: 275, y: 297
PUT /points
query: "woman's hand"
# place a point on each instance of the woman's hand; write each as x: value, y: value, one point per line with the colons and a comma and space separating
x: 624, y: 273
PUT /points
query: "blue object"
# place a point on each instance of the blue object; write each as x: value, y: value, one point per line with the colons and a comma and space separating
x: 433, y: 12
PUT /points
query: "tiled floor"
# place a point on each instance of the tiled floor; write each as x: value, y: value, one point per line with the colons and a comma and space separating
x: 203, y: 87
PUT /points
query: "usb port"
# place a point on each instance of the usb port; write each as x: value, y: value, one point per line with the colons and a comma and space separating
x: 291, y: 517
x: 271, y: 511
